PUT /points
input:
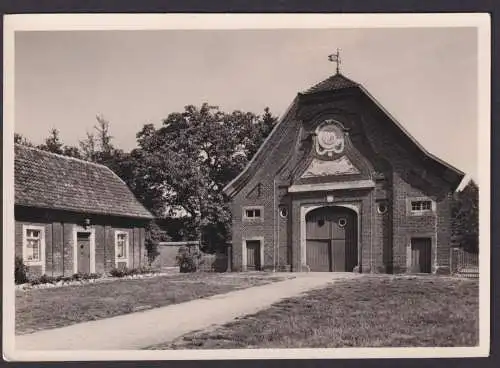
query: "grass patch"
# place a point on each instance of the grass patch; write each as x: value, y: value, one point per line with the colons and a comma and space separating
x: 40, y: 309
x: 371, y: 311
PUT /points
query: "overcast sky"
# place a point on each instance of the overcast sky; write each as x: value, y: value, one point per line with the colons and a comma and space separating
x: 426, y: 78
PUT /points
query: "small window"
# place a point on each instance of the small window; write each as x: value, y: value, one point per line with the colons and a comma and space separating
x: 342, y: 222
x: 284, y: 212
x: 421, y: 206
x: 253, y: 213
x: 33, y: 244
x: 121, y: 245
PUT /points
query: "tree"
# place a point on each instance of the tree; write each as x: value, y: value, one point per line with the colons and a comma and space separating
x: 71, y: 152
x: 466, y: 217
x: 88, y: 147
x: 183, y: 166
x: 20, y: 139
x: 97, y: 146
x: 53, y: 143
x: 104, y: 146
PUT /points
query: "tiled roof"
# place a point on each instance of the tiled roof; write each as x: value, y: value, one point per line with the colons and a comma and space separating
x: 47, y: 180
x: 334, y: 83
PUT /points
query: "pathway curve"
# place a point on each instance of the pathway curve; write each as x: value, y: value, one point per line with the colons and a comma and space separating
x: 160, y: 325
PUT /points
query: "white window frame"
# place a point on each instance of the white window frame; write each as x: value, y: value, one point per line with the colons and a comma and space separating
x: 127, y: 247
x: 412, y: 212
x: 41, y: 261
x: 253, y: 219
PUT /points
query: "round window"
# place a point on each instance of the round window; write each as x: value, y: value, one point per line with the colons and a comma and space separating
x: 342, y: 222
x: 284, y: 212
x: 382, y: 208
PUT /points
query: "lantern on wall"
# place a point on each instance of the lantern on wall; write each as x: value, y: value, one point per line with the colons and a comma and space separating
x: 86, y: 223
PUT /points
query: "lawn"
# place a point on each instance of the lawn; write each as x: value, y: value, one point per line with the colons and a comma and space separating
x: 371, y: 311
x: 40, y: 309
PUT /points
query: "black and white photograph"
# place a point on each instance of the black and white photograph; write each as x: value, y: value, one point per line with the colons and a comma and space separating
x: 246, y: 186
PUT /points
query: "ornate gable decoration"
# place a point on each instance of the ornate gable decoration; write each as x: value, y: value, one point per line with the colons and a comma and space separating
x: 340, y: 166
x: 330, y: 138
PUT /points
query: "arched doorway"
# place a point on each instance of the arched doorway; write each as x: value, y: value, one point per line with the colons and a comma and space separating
x: 331, y: 239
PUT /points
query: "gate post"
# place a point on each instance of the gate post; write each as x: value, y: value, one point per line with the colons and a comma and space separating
x: 453, y: 260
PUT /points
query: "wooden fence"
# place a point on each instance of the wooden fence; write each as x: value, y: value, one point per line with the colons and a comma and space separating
x: 464, y: 264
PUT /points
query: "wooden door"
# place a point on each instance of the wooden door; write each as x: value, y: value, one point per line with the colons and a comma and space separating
x: 421, y: 255
x: 318, y: 255
x: 83, y: 252
x: 338, y: 255
x: 253, y: 255
x: 331, y: 239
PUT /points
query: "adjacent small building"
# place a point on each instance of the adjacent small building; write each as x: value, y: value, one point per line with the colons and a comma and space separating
x: 340, y: 185
x: 74, y: 216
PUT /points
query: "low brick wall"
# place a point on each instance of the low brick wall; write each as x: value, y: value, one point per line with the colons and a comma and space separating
x: 167, y: 253
x: 214, y: 262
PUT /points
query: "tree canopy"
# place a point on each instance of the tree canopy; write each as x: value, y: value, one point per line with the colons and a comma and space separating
x: 466, y: 217
x: 180, y: 168
x: 184, y: 165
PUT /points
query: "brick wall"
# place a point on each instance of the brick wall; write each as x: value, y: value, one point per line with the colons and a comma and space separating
x: 394, y: 163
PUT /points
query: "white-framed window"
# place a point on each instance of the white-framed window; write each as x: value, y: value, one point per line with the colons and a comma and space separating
x: 255, y: 213
x: 121, y: 246
x: 33, y: 245
x: 421, y: 206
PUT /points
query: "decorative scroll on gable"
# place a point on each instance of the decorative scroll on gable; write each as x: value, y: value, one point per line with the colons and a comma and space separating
x: 340, y: 166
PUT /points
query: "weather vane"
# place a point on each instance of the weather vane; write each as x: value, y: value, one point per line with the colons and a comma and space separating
x: 336, y: 59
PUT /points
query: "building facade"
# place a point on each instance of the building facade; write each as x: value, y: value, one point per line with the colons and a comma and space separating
x: 340, y: 185
x: 74, y: 216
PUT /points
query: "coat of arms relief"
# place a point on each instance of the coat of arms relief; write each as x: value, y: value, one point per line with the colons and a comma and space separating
x: 330, y: 139
x: 330, y: 146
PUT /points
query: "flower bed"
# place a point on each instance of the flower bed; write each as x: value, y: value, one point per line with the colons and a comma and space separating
x: 45, y: 281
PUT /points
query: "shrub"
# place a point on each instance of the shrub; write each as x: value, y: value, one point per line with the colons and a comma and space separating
x: 118, y: 272
x: 146, y: 269
x: 85, y: 276
x: 20, y: 271
x: 45, y: 279
x: 188, y: 259
x: 122, y: 272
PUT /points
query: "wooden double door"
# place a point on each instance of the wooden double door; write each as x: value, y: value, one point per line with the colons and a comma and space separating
x: 331, y: 239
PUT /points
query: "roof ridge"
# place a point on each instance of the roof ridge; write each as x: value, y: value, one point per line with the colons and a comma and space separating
x: 320, y: 86
x: 61, y: 156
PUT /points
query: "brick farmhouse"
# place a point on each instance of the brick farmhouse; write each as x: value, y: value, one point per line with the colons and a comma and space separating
x: 340, y: 185
x: 74, y: 216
